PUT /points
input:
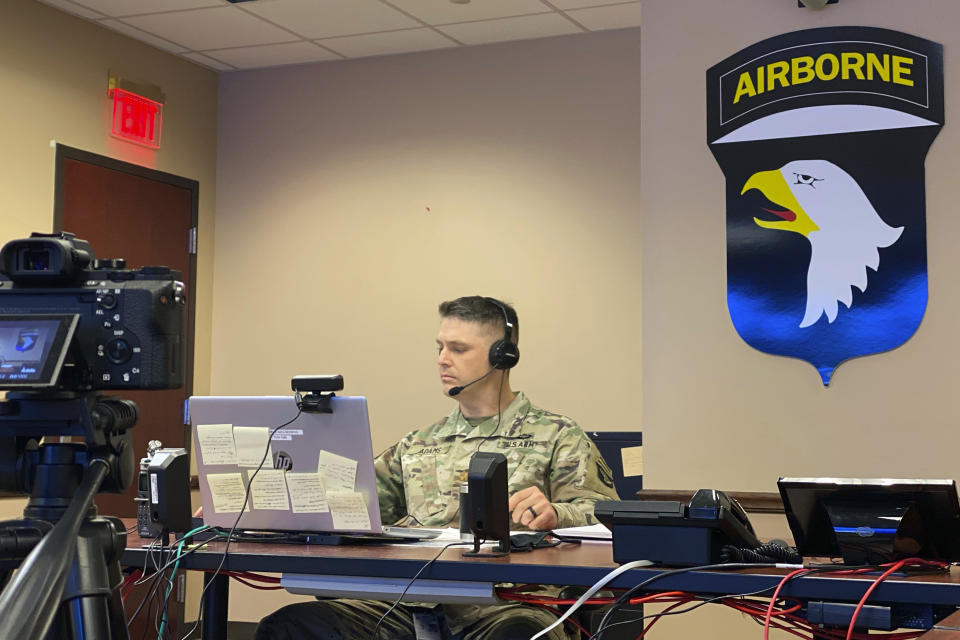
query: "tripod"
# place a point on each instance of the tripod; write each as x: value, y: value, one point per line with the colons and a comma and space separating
x: 67, y: 585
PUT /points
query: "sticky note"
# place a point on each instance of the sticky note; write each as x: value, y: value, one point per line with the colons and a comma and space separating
x: 632, y: 458
x: 227, y: 491
x: 216, y: 443
x: 306, y: 493
x: 251, y: 442
x: 268, y: 490
x: 349, y: 510
x: 340, y: 473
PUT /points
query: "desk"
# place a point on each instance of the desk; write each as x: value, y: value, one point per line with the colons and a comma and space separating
x: 564, y: 565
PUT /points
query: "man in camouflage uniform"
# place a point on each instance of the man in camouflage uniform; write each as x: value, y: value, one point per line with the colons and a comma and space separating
x: 555, y: 475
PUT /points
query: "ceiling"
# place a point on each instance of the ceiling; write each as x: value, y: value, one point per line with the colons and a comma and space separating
x: 265, y: 33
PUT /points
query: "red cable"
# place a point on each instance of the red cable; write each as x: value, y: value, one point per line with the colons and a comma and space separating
x: 773, y: 600
x: 258, y: 576
x: 657, y: 617
x: 866, y: 595
x: 255, y: 586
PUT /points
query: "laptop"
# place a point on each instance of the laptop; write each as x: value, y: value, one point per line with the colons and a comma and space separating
x: 318, y: 475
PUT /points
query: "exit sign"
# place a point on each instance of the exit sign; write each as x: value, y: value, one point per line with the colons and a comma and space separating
x: 136, y: 119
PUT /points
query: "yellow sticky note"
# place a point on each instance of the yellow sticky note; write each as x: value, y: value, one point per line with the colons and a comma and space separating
x: 340, y: 472
x: 632, y: 458
x: 251, y: 442
x: 349, y: 510
x: 227, y: 491
x: 306, y: 493
x: 268, y: 490
x: 216, y: 443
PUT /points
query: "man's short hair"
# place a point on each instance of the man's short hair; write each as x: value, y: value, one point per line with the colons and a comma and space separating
x: 482, y: 310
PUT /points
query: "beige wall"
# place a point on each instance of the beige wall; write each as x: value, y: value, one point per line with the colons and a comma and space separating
x: 329, y: 261
x: 716, y: 412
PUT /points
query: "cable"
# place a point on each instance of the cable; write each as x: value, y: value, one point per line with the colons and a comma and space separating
x: 176, y: 566
x: 630, y: 592
x: 592, y: 590
x: 376, y: 629
x: 246, y: 498
x: 773, y: 599
x: 883, y: 576
x: 665, y: 597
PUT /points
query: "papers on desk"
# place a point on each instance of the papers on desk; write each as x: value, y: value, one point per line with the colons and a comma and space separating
x: 596, y: 532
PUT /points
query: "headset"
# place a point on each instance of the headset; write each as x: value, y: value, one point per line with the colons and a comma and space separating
x: 504, y: 353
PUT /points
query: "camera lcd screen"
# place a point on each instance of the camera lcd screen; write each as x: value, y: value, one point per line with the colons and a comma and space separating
x: 32, y: 349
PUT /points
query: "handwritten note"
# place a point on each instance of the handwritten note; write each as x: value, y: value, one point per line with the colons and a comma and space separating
x: 269, y: 490
x: 251, y: 443
x: 349, y: 510
x: 632, y: 458
x: 227, y: 491
x: 306, y: 493
x: 216, y: 443
x: 340, y: 473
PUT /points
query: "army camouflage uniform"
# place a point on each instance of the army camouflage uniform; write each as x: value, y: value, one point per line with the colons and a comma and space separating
x: 420, y: 476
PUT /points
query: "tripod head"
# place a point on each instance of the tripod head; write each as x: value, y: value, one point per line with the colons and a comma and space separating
x: 51, y: 469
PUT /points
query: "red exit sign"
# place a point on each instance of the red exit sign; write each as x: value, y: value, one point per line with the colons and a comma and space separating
x: 136, y: 118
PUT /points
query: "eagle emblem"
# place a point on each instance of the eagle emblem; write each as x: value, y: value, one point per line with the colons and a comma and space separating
x: 822, y: 135
x: 821, y: 202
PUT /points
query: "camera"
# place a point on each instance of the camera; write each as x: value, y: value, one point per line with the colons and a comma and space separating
x: 71, y: 322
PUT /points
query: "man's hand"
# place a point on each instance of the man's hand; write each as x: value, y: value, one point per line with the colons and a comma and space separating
x: 532, y: 509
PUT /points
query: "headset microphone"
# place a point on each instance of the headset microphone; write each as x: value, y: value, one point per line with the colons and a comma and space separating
x: 456, y: 390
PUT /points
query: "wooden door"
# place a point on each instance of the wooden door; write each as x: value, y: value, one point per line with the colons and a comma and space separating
x: 146, y: 217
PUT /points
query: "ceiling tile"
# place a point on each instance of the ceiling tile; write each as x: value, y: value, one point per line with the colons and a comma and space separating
x: 207, y: 61
x: 72, y: 7
x: 135, y: 7
x: 211, y: 28
x: 445, y: 12
x: 612, y: 17
x: 142, y: 36
x: 579, y: 4
x: 273, y: 55
x: 328, y: 18
x: 378, y: 44
x: 549, y: 24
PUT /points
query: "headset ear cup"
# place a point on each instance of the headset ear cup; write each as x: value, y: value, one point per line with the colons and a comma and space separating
x: 504, y: 355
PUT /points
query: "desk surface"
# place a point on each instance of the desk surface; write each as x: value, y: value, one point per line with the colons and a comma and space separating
x: 566, y: 564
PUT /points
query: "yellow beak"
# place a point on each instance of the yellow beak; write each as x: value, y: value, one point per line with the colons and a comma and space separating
x: 775, y: 188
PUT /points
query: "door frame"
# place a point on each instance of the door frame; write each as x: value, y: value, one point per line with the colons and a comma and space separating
x: 64, y: 153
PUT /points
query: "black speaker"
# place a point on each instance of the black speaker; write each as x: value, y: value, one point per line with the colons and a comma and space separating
x: 504, y: 353
x: 487, y: 503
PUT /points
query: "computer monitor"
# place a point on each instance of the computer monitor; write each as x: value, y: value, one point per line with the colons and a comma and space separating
x: 33, y: 348
x: 869, y: 521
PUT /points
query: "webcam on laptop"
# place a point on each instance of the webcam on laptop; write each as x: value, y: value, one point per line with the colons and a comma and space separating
x: 313, y: 393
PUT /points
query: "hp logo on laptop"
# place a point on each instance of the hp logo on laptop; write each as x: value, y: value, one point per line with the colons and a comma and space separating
x: 283, y: 461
